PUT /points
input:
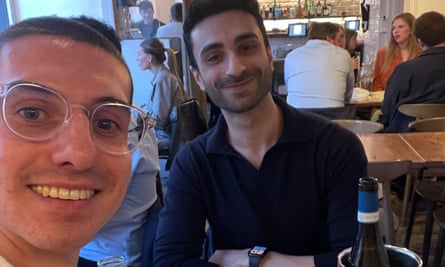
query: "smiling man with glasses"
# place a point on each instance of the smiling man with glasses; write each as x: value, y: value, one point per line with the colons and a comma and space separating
x: 65, y: 138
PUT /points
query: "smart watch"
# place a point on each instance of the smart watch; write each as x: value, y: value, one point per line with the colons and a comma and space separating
x: 255, y: 255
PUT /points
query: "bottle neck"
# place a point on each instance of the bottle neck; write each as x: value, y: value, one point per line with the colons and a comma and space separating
x: 368, y: 207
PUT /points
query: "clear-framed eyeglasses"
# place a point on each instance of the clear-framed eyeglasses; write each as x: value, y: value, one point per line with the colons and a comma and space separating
x: 38, y: 113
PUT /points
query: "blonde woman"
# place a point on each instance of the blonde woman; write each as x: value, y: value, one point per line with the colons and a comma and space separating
x: 402, y: 47
x: 167, y: 89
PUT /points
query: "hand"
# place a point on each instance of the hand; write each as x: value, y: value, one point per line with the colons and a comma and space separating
x: 354, y: 63
x: 231, y: 258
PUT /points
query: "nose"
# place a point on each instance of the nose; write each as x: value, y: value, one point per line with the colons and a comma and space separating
x: 235, y: 65
x: 75, y: 145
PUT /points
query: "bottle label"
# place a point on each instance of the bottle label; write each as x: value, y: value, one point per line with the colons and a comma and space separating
x: 368, y: 202
x: 367, y: 217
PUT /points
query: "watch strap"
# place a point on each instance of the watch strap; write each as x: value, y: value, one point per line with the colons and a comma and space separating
x: 254, y: 261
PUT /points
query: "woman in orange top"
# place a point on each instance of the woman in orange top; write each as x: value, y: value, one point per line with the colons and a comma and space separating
x: 402, y: 47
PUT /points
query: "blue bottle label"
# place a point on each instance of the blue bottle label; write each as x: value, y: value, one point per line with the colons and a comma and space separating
x: 368, y: 207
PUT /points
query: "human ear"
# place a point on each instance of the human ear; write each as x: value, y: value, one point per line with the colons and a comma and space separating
x: 198, y: 78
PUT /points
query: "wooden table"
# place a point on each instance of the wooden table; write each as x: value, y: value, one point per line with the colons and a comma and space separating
x: 423, y: 149
x: 389, y: 148
x: 375, y: 100
x: 430, y: 146
x: 366, y: 108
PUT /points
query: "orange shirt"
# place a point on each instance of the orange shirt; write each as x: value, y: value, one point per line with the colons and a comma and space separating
x: 381, y: 79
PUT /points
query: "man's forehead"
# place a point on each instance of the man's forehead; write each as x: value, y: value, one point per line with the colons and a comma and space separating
x: 224, y: 26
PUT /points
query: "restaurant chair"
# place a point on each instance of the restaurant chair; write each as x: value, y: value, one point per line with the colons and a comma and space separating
x: 431, y: 191
x: 423, y: 110
x: 439, y: 217
x: 385, y: 172
x: 360, y: 126
x: 347, y: 112
x: 436, y: 124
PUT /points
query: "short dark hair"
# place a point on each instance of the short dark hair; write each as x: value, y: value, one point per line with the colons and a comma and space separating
x: 321, y: 30
x: 104, y: 29
x: 176, y: 12
x: 145, y: 5
x: 71, y: 28
x: 202, y: 9
x: 430, y: 28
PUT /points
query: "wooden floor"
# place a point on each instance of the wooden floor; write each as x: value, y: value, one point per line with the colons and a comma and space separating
x: 417, y: 235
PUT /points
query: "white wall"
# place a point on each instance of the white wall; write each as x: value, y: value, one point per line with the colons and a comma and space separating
x: 417, y: 7
x: 99, y: 9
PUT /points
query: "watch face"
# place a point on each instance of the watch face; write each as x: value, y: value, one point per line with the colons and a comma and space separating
x: 257, y: 251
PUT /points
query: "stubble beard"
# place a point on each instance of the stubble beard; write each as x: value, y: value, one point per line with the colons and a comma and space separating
x: 241, y: 103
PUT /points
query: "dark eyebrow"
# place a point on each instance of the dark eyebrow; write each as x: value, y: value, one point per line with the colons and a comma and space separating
x: 238, y: 39
x: 109, y: 99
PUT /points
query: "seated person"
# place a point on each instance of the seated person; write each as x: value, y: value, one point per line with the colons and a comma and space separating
x: 319, y: 74
x: 420, y: 80
x: 148, y: 25
x: 174, y: 28
x: 167, y: 90
x: 401, y: 47
x: 123, y: 235
x: 253, y: 175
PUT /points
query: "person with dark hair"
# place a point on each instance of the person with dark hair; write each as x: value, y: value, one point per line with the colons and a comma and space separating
x: 66, y: 138
x: 252, y: 175
x: 351, y: 46
x: 149, y: 24
x: 420, y: 80
x: 174, y: 28
x: 319, y: 74
x: 166, y: 86
x: 130, y: 232
x: 104, y: 29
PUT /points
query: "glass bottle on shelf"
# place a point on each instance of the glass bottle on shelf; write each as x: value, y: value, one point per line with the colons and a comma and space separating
x: 264, y: 10
x: 271, y: 12
x: 319, y: 9
x: 325, y: 9
x: 299, y: 10
x: 276, y: 10
x: 369, y: 249
x: 285, y: 11
x: 312, y: 9
x: 293, y: 10
x: 305, y: 10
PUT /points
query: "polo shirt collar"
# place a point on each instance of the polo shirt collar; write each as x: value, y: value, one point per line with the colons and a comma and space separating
x: 294, y: 130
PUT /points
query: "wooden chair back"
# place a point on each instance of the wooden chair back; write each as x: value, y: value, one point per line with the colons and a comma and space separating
x: 385, y: 172
x: 422, y: 111
x: 436, y: 124
x: 360, y: 126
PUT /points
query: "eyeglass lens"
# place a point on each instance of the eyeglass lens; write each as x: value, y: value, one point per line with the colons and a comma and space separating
x: 37, y: 113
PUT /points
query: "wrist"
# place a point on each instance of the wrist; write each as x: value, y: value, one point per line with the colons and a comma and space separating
x: 255, y: 255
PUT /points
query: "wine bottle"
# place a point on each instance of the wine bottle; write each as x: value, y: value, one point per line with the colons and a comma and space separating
x: 305, y: 10
x: 319, y: 9
x: 369, y: 250
x: 312, y: 9
x: 325, y: 9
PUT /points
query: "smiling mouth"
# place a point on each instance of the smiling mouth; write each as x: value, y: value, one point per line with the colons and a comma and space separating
x: 63, y: 193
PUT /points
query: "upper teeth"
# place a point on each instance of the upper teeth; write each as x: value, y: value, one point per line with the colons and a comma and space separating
x: 63, y: 193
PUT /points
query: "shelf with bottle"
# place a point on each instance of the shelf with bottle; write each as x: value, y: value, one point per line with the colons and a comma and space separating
x: 290, y: 9
x: 280, y: 26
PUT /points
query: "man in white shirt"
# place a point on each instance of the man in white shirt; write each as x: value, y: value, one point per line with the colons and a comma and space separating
x: 319, y: 74
x: 174, y: 28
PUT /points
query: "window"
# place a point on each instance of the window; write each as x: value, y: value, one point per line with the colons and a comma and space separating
x: 4, y: 22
